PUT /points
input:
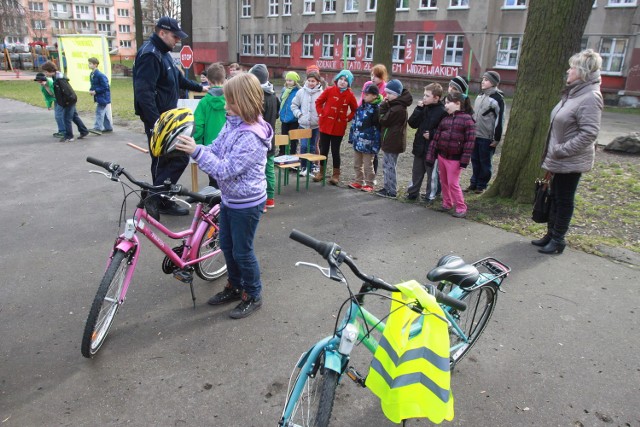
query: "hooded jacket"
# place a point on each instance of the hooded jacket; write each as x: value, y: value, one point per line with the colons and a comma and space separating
x: 393, y: 123
x: 237, y: 160
x: 209, y: 116
x: 365, y: 128
x: 425, y: 119
x: 303, y: 106
x: 270, y: 107
x: 575, y: 123
x: 286, y: 113
x: 100, y: 84
x: 489, y: 114
x: 335, y: 109
x: 157, y: 81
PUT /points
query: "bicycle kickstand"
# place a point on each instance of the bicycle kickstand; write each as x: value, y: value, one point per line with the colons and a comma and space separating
x: 186, y: 277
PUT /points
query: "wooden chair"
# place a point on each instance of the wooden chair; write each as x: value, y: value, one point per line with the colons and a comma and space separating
x: 283, y: 140
x: 310, y: 157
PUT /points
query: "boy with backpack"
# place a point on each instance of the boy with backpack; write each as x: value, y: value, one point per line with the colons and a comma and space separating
x: 67, y: 99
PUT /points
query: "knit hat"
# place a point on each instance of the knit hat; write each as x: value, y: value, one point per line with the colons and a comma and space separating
x: 460, y: 83
x: 493, y: 77
x: 292, y: 75
x: 261, y: 72
x: 313, y: 68
x: 372, y: 89
x: 394, y: 87
x: 40, y: 77
x: 346, y: 74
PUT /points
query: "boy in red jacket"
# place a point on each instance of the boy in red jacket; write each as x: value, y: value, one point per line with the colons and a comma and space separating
x: 336, y: 107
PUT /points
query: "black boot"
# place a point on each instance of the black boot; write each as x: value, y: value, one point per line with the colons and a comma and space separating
x: 555, y: 245
x: 543, y: 241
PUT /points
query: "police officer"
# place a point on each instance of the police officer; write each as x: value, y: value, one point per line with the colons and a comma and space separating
x: 156, y: 88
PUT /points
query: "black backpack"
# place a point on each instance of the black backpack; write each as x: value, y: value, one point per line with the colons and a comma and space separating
x: 65, y: 95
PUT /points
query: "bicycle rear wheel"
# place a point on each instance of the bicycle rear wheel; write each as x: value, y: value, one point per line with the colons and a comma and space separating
x: 215, y: 266
x: 314, y: 405
x: 480, y: 305
x: 105, y: 305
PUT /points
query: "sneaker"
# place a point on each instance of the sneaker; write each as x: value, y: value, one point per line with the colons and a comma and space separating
x: 247, y: 307
x: 355, y: 185
x: 444, y: 208
x: 315, y: 169
x: 303, y: 173
x: 63, y: 139
x: 412, y: 197
x: 96, y: 131
x: 228, y: 294
x: 385, y: 193
x: 459, y: 214
x: 367, y: 188
x: 107, y: 131
x: 58, y: 134
x: 469, y: 189
x: 270, y: 204
x: 82, y: 135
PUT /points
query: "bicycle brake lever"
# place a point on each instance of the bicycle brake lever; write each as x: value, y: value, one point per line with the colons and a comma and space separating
x: 108, y: 175
x: 175, y: 199
x: 324, y: 270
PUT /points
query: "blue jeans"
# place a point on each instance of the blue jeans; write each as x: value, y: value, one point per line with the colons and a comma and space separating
x: 308, y: 146
x: 481, y: 162
x: 104, y: 121
x: 58, y: 114
x: 237, y: 230
x: 71, y: 115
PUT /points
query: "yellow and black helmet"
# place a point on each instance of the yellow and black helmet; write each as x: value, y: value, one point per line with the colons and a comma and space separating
x: 178, y: 121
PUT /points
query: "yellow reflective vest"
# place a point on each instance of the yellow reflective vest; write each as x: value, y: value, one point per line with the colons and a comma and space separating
x: 410, y: 369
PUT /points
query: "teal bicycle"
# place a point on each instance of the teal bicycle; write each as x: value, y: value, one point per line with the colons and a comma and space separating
x: 467, y: 293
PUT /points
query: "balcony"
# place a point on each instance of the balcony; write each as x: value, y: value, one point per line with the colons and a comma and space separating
x: 60, y: 31
x: 56, y: 14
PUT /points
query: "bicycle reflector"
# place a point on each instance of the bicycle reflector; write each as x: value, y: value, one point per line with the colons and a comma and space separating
x: 178, y: 121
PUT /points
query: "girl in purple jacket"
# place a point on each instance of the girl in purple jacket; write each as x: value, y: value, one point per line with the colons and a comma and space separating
x: 237, y: 159
x: 453, y: 145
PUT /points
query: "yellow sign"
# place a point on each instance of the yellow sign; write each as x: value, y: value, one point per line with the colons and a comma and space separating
x: 77, y: 49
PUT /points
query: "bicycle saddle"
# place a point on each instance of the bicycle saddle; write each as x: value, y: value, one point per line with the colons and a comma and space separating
x: 453, y: 269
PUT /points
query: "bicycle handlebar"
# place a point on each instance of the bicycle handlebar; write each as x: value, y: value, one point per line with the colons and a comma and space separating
x: 116, y: 170
x: 335, y: 255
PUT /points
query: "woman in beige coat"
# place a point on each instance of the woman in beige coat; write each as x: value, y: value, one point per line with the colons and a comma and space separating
x: 570, y: 149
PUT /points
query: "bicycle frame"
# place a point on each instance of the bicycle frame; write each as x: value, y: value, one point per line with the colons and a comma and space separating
x: 128, y: 241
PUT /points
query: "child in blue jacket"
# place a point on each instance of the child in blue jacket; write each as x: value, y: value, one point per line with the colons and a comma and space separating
x: 287, y: 118
x: 102, y: 96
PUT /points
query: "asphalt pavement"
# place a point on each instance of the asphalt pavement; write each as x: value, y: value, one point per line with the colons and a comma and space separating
x: 561, y: 349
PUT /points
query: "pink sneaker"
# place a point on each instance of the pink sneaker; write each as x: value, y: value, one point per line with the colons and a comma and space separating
x: 355, y: 185
x: 367, y: 188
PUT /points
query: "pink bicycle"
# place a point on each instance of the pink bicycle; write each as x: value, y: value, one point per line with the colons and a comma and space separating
x: 199, y: 251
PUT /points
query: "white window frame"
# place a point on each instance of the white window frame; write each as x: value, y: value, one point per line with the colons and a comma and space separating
x: 329, y: 6
x: 427, y: 4
x: 309, y: 7
x: 622, y: 3
x: 246, y: 44
x: 273, y: 45
x: 104, y: 27
x: 424, y: 48
x: 101, y: 10
x: 285, y: 46
x: 124, y: 28
x: 38, y: 24
x: 258, y: 42
x: 273, y: 7
x: 350, y: 6
x: 505, y: 53
x: 451, y: 53
x: 328, y: 45
x: 246, y: 9
x: 402, y: 5
x: 515, y: 4
x: 350, y: 42
x: 286, y: 7
x: 123, y: 13
x: 458, y: 4
x: 36, y: 6
x: 399, y: 48
x: 307, y: 45
x: 125, y: 43
x: 368, y: 46
x: 82, y: 8
x: 609, y: 57
x: 85, y: 25
x: 372, y: 5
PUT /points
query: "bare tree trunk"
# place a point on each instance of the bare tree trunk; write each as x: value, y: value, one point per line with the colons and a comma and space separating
x: 553, y: 33
x: 137, y: 5
x: 383, y: 36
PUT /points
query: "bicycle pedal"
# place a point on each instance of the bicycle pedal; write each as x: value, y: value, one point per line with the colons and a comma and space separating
x: 183, y: 276
x: 355, y: 376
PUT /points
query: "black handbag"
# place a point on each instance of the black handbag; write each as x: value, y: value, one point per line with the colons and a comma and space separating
x: 542, y: 200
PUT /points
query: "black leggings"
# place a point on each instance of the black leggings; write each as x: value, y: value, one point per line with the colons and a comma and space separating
x: 563, y: 194
x: 332, y: 141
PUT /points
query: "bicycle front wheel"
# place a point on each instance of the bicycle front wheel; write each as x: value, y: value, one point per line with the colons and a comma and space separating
x: 105, y: 304
x: 480, y: 305
x: 314, y: 405
x: 214, y: 266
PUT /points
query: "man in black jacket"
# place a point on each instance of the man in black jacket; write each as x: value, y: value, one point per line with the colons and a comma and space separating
x: 156, y: 87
